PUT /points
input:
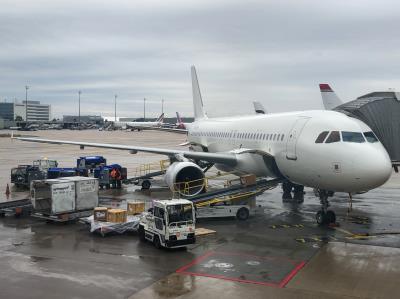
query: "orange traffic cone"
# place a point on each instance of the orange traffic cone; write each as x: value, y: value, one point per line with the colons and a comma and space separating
x: 8, y: 191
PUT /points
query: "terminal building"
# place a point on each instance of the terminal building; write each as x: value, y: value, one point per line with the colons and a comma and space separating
x: 34, y: 111
x: 92, y: 119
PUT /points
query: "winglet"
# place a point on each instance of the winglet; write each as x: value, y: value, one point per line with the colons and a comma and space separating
x: 329, y: 97
x: 197, y: 100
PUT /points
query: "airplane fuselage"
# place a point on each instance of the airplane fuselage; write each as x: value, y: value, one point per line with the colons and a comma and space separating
x: 284, y: 144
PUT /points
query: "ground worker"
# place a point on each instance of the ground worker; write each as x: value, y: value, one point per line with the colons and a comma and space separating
x: 115, y: 178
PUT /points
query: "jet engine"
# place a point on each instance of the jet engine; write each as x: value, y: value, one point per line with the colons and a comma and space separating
x: 186, y: 178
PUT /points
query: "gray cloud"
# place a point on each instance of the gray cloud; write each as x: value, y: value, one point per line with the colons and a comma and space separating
x: 273, y: 51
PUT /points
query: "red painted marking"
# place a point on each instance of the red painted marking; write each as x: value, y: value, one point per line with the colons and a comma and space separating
x: 280, y: 284
x: 325, y: 87
x: 291, y: 274
x: 258, y: 257
x: 270, y: 284
x: 195, y: 261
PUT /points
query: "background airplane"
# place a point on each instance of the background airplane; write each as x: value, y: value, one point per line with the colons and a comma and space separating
x: 140, y: 125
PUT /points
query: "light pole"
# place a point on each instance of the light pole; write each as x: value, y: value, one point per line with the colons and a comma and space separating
x: 162, y: 106
x: 115, y: 107
x: 144, y: 109
x: 79, y: 109
x: 26, y: 103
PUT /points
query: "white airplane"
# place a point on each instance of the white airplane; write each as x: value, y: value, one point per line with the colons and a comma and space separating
x: 140, y: 125
x: 329, y: 97
x: 320, y: 149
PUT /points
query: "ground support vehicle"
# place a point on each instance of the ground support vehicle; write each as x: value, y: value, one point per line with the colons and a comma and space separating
x: 90, y: 162
x: 56, y: 172
x: 225, y: 210
x: 103, y: 174
x: 45, y: 164
x: 23, y: 175
x: 169, y: 224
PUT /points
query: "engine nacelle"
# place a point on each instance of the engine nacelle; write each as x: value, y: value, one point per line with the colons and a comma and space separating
x: 187, y: 178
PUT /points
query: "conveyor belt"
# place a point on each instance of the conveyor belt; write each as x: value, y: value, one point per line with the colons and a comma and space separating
x: 235, y: 189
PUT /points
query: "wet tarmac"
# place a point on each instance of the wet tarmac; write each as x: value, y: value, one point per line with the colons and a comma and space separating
x: 279, y: 253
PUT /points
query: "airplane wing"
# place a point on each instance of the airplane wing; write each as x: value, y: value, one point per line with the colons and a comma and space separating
x: 224, y: 158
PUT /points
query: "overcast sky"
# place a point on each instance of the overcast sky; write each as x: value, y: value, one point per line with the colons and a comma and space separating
x: 272, y: 51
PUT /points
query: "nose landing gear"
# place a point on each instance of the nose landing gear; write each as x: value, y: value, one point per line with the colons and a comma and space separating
x: 325, y: 216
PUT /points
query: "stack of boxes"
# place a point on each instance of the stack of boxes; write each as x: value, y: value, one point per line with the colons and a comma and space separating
x: 110, y: 215
x: 118, y: 215
x: 135, y: 208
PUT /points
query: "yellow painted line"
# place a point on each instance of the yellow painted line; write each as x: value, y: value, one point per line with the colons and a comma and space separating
x: 344, y: 231
x: 358, y: 237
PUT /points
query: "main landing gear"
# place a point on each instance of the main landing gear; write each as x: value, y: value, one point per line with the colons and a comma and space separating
x: 325, y: 216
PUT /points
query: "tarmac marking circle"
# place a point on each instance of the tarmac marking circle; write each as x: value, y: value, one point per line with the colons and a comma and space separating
x: 243, y: 267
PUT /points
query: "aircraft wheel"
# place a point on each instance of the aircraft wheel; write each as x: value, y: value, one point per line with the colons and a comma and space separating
x: 330, y: 217
x: 141, y: 234
x: 242, y: 214
x: 321, y: 217
x: 146, y: 184
x: 156, y: 242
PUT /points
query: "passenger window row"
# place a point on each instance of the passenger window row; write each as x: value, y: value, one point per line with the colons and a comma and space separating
x: 355, y: 137
x: 253, y: 136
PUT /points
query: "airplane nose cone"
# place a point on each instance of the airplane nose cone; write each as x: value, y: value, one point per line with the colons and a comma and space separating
x: 373, y: 172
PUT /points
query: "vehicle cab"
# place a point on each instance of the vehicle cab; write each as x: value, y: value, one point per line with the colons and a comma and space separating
x: 170, y: 223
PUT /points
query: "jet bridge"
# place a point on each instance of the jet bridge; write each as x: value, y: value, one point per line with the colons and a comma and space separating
x: 381, y: 112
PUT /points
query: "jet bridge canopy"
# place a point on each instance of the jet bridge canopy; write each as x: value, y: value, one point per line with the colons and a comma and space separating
x: 381, y: 112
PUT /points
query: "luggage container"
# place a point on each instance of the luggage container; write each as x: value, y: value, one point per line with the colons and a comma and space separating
x: 86, y: 192
x: 64, y: 199
x: 53, y: 196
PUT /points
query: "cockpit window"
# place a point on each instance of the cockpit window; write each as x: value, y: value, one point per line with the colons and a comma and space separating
x: 353, y: 137
x: 370, y: 136
x: 321, y: 137
x: 333, y: 137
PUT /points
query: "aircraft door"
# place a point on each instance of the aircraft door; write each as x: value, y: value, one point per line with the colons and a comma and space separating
x: 293, y: 138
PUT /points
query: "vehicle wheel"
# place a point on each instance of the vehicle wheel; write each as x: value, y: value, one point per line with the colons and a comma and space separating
x: 330, y: 217
x: 141, y: 234
x: 146, y: 185
x: 156, y: 242
x: 321, y: 217
x: 242, y: 214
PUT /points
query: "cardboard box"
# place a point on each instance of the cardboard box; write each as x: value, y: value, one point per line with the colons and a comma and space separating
x: 100, y: 214
x: 135, y: 208
x: 248, y: 179
x: 116, y: 215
